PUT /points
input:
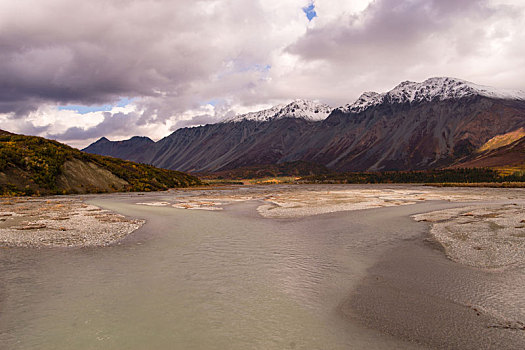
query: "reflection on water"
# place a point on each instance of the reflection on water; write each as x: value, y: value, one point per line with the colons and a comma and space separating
x: 202, y: 280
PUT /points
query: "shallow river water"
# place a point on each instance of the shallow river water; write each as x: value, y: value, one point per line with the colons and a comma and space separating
x: 192, y: 279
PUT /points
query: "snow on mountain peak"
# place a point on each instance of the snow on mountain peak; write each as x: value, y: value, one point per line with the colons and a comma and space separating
x: 439, y: 88
x: 308, y: 110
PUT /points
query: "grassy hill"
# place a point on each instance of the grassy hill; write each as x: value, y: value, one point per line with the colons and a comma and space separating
x: 31, y: 165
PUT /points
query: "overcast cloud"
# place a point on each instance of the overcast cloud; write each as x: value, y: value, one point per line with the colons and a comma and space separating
x: 183, y: 63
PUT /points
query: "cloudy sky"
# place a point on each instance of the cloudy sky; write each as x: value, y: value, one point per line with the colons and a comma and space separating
x: 79, y: 70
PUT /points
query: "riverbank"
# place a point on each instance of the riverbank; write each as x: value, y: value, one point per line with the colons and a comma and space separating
x: 484, y: 236
x: 60, y: 222
x: 415, y: 294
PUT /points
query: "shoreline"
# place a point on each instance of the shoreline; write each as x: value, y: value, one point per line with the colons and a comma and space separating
x: 488, y: 236
x: 60, y: 222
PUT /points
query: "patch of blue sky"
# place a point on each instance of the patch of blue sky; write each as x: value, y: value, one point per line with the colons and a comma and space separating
x: 213, y: 102
x: 263, y: 68
x: 124, y: 101
x: 238, y: 66
x: 254, y: 67
x: 83, y: 109
x: 309, y: 11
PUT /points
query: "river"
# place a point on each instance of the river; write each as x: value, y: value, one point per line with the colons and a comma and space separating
x: 231, y: 279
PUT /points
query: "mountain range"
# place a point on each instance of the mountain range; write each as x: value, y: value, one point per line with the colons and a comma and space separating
x: 438, y: 123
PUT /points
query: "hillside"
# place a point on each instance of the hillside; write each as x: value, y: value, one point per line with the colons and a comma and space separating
x: 508, y: 157
x: 137, y: 148
x: 415, y: 126
x: 410, y: 136
x: 34, y: 165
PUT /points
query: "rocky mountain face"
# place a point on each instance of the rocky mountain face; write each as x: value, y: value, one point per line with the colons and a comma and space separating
x: 414, y: 126
x: 411, y: 136
x: 257, y: 138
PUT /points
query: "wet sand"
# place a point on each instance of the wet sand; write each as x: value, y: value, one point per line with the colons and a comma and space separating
x: 414, y: 294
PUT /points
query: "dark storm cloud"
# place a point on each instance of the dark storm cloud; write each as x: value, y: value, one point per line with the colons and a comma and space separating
x: 95, y: 52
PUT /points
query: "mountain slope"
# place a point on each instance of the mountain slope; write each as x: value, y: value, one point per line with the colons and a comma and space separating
x: 502, y: 140
x: 226, y: 146
x: 409, y: 136
x: 137, y: 148
x: 414, y: 126
x: 34, y: 165
x: 509, y: 155
x: 257, y: 138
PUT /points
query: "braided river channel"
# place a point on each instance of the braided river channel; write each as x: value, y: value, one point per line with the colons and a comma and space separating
x: 233, y: 279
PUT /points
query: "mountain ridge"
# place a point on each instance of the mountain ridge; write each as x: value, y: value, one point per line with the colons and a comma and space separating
x: 411, y: 127
x: 441, y: 88
x: 304, y: 109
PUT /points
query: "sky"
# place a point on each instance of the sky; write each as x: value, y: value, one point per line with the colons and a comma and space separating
x: 75, y: 71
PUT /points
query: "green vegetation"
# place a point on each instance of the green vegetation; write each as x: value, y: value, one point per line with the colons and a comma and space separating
x: 448, y: 177
x: 274, y: 180
x: 476, y: 175
x: 32, y: 165
x: 222, y: 182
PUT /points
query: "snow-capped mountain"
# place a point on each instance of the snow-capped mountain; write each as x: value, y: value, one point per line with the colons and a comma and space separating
x: 439, y: 88
x: 424, y: 125
x: 304, y: 109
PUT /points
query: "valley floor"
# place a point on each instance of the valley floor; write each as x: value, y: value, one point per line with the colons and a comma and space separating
x: 486, y: 230
x: 306, y: 266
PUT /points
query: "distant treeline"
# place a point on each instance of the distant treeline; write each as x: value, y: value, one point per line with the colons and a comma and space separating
x: 293, y: 169
x: 475, y: 175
